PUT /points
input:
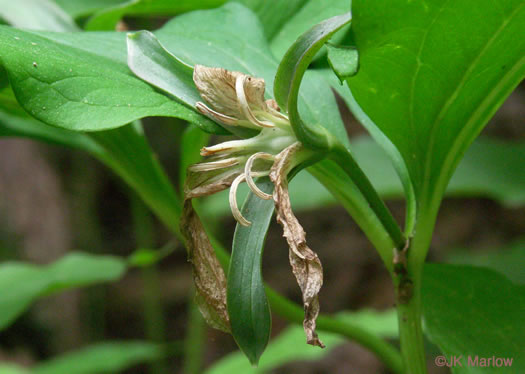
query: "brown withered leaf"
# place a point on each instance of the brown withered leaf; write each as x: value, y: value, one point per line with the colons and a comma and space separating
x: 208, y: 275
x: 306, y: 266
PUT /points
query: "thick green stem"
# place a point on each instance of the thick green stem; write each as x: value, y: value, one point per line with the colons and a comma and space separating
x: 408, y: 274
x: 411, y: 333
x: 345, y: 160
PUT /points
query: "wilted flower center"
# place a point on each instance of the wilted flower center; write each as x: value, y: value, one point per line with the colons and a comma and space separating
x: 237, y: 99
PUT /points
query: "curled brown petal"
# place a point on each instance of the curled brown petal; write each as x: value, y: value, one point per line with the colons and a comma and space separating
x: 306, y: 266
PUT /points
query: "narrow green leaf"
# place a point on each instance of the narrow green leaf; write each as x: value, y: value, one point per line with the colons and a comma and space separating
x: 289, y: 345
x: 344, y: 61
x: 474, y: 312
x: 21, y: 284
x: 290, y: 73
x: 108, y: 357
x: 36, y: 15
x: 247, y: 303
x: 77, y: 89
x: 150, y: 61
x: 431, y: 80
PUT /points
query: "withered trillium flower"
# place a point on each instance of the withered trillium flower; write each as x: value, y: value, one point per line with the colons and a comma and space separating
x: 236, y: 99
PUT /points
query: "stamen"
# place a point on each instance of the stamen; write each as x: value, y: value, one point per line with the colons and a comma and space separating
x: 214, y: 165
x: 243, y: 103
x: 216, y: 116
x: 226, y: 147
x: 249, y: 174
x: 233, y: 201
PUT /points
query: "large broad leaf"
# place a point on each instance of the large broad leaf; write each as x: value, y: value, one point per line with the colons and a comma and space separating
x: 289, y: 345
x: 247, y: 303
x: 109, y: 357
x: 475, y: 313
x: 21, y: 284
x: 81, y: 81
x: 431, y: 75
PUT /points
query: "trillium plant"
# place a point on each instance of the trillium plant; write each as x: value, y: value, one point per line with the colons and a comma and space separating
x: 423, y: 78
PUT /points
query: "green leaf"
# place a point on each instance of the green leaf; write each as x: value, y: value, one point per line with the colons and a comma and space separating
x: 289, y: 346
x: 82, y: 8
x: 311, y: 13
x: 75, y: 88
x: 247, y: 303
x: 430, y: 79
x: 150, y: 61
x: 289, y: 76
x: 506, y: 259
x: 21, y: 284
x: 36, y: 15
x: 344, y: 61
x: 471, y: 311
x: 273, y: 14
x: 12, y: 369
x: 107, y: 18
x: 108, y: 357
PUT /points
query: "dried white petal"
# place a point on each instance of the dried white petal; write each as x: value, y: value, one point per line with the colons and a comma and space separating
x: 249, y: 174
x: 214, y: 115
x: 233, y: 201
x: 213, y: 165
